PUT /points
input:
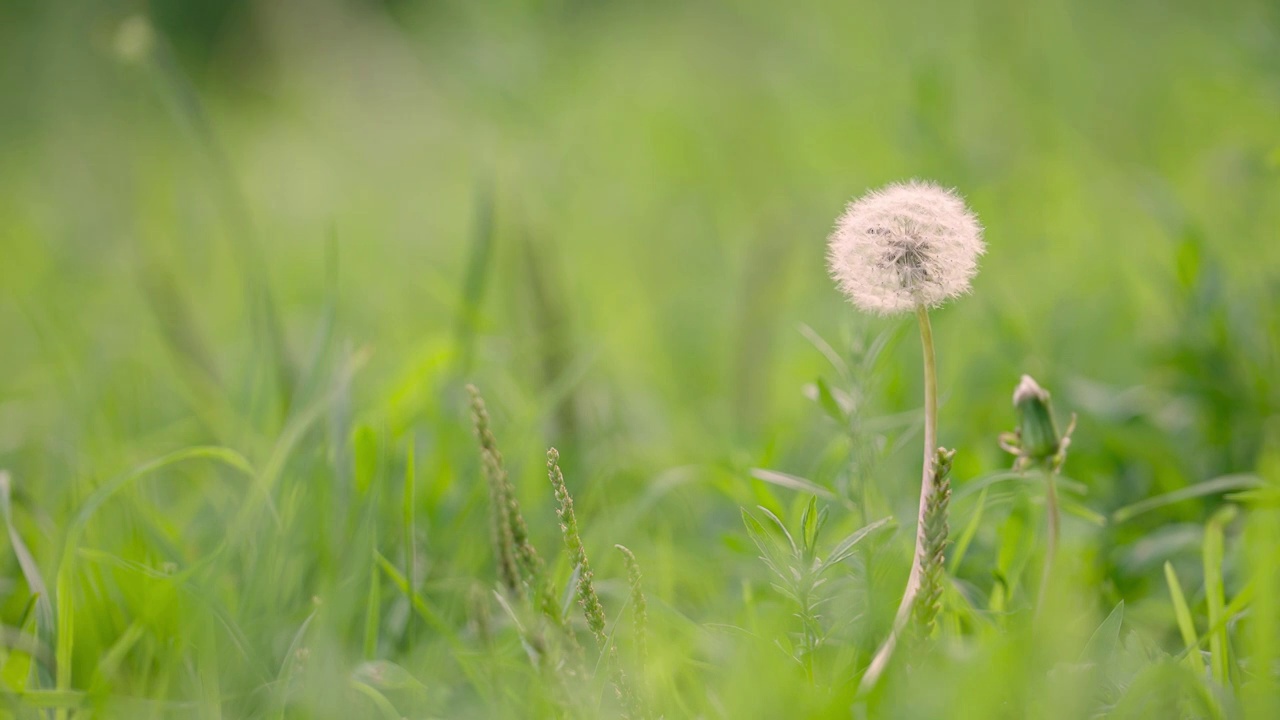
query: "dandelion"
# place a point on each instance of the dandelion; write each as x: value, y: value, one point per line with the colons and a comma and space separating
x: 905, y: 246
x: 908, y: 246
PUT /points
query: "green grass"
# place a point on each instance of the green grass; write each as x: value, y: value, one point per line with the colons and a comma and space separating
x: 247, y: 273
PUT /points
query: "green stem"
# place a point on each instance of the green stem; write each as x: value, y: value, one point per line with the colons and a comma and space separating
x: 915, y: 579
x: 1051, y: 543
x: 930, y: 407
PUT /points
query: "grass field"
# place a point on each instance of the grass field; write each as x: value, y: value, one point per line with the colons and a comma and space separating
x: 253, y: 253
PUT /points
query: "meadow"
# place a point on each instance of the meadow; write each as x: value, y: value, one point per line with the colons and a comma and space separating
x: 254, y: 254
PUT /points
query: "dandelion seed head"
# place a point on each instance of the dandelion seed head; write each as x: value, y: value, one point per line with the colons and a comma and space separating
x: 905, y: 245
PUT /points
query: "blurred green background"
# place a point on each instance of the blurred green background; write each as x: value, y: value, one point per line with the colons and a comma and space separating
x: 297, y: 229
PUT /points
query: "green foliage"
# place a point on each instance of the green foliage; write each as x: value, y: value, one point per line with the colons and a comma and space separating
x: 248, y: 267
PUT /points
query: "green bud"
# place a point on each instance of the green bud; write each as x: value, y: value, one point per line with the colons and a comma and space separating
x: 1037, y: 432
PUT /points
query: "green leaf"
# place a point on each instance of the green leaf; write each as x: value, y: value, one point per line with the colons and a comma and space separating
x: 1063, y: 483
x: 407, y: 513
x: 372, y: 612
x: 1071, y: 507
x: 380, y: 701
x: 425, y: 611
x: 767, y: 543
x: 1188, y: 261
x: 795, y: 550
x: 16, y: 670
x: 758, y: 534
x: 1215, y: 593
x: 1268, y: 497
x: 1103, y: 642
x: 827, y: 401
x: 385, y: 675
x: 570, y: 591
x: 365, y: 440
x: 44, y: 615
x: 845, y: 548
x: 107, y: 490
x: 1218, y: 485
x: 110, y: 661
x: 791, y: 482
x: 810, y: 523
x: 970, y: 530
x: 65, y: 615
x: 1012, y: 555
x: 1186, y: 626
x: 61, y: 700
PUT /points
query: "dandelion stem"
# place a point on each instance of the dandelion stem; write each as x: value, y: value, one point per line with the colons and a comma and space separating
x: 915, y: 579
x: 930, y: 415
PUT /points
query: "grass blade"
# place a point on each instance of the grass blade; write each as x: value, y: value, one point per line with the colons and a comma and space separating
x: 65, y: 643
x: 1216, y: 486
x: 1215, y: 594
x: 380, y: 701
x: 1186, y: 626
x: 791, y: 482
x: 372, y: 611
x: 210, y: 681
x: 845, y: 548
x: 970, y: 530
x: 425, y: 611
x: 407, y: 505
x: 782, y: 527
x: 35, y: 581
x: 478, y: 269
x: 1102, y: 643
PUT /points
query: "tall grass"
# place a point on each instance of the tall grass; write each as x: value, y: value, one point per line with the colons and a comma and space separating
x: 245, y: 280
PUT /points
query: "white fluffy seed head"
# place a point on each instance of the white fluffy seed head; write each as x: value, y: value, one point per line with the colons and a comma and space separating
x: 903, y: 246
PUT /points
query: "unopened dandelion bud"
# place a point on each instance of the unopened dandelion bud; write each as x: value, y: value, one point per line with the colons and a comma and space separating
x: 1038, y: 436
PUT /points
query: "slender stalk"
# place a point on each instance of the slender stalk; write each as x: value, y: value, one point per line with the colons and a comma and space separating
x: 1040, y: 447
x: 914, y: 580
x: 1051, y: 543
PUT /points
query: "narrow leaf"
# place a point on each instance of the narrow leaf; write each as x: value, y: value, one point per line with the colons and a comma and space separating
x: 845, y: 548
x: 1215, y: 594
x: 827, y: 401
x: 781, y: 527
x: 1218, y: 485
x: 791, y: 482
x: 1186, y: 626
x: 1103, y: 642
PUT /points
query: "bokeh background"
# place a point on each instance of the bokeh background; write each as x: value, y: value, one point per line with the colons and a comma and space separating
x: 297, y: 229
